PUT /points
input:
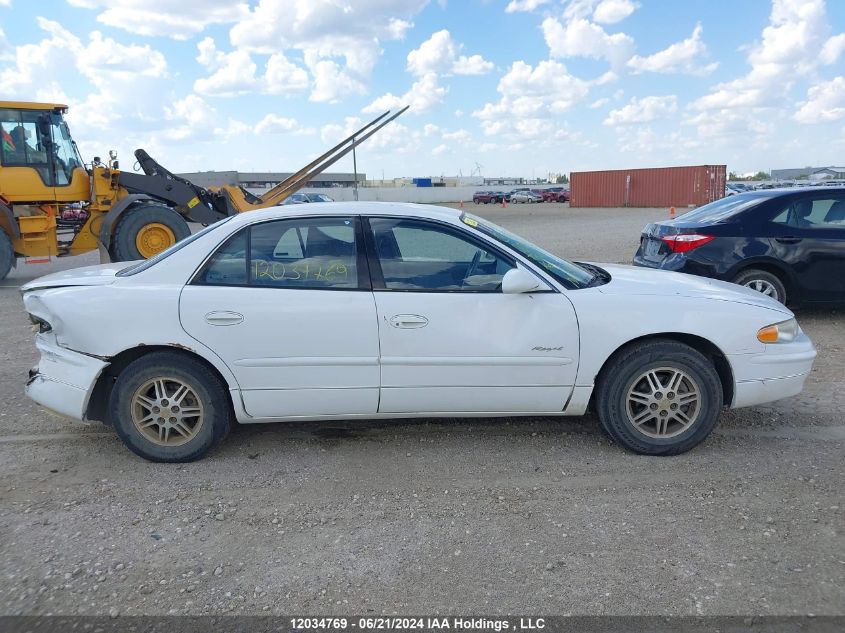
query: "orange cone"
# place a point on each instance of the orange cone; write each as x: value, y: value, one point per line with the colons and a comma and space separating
x: 671, y: 212
x: 503, y: 202
x: 461, y: 206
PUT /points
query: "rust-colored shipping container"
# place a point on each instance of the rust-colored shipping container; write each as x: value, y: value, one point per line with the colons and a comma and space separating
x: 658, y: 187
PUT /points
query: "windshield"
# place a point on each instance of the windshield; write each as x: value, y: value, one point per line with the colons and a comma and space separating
x: 722, y: 209
x: 569, y: 274
x: 152, y: 261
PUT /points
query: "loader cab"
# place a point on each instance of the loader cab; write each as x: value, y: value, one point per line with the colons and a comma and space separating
x: 39, y: 161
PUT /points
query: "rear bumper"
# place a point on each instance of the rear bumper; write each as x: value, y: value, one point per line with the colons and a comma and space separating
x: 63, y: 379
x: 675, y: 262
x: 778, y: 372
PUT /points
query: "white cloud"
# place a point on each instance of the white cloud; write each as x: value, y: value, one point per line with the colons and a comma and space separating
x: 643, y: 110
x: 424, y: 95
x: 790, y: 48
x: 461, y: 136
x: 6, y: 50
x: 326, y: 32
x: 393, y: 138
x: 531, y: 94
x: 582, y: 38
x: 687, y: 56
x: 331, y: 83
x: 515, y: 6
x: 613, y: 11
x: 179, y: 20
x: 125, y: 81
x: 734, y: 127
x: 283, y: 76
x: 472, y: 65
x: 440, y: 149
x: 275, y: 124
x: 234, y: 73
x: 599, y: 103
x: 832, y: 49
x: 440, y: 54
x: 429, y: 129
x: 825, y: 102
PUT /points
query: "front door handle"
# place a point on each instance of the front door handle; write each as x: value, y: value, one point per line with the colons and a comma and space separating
x: 224, y: 317
x: 789, y: 239
x: 408, y: 321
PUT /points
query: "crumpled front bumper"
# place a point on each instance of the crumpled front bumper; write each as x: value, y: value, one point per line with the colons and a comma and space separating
x: 63, y: 379
x: 776, y: 373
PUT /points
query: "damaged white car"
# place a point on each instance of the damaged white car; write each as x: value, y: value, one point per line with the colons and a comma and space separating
x: 378, y: 310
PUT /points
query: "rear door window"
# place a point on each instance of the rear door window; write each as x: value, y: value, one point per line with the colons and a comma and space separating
x: 814, y: 214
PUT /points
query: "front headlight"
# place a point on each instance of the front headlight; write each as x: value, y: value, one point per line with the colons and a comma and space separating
x: 783, y: 332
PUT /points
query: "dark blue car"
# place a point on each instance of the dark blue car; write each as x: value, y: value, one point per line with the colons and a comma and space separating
x: 786, y: 243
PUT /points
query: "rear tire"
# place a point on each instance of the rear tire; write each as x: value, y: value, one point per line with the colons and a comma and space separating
x: 7, y: 254
x: 647, y: 391
x: 167, y: 407
x: 762, y: 281
x: 145, y: 231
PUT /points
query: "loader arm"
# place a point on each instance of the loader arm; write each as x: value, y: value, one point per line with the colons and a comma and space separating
x: 242, y: 200
x: 199, y: 204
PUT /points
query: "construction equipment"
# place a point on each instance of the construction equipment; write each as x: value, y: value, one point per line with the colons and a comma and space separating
x: 53, y: 205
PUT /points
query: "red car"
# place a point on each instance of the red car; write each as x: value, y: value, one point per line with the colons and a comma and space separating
x: 555, y: 194
x: 486, y: 197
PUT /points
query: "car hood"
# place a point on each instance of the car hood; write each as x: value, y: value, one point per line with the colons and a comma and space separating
x: 100, y: 275
x: 636, y: 281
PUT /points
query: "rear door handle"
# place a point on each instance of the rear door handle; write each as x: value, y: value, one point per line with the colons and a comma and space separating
x: 788, y: 239
x: 408, y: 321
x: 224, y: 317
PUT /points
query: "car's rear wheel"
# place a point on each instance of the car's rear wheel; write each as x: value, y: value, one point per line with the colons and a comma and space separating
x: 167, y: 407
x: 659, y: 397
x: 764, y: 282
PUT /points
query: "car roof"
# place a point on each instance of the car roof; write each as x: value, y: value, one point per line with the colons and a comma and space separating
x: 785, y: 191
x: 349, y: 208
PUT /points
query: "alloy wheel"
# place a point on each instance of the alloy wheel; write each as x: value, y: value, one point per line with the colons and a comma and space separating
x: 167, y: 411
x: 663, y: 402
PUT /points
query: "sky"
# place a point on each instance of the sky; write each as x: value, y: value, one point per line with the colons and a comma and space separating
x: 501, y: 88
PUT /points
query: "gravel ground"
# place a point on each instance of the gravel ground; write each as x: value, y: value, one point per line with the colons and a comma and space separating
x: 451, y: 516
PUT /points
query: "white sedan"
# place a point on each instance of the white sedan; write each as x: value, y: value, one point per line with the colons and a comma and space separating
x: 380, y: 310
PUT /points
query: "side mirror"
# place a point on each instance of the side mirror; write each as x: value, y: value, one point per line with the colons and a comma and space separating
x: 518, y: 281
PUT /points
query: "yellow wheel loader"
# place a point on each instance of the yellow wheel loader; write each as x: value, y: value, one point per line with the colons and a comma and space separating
x: 53, y: 205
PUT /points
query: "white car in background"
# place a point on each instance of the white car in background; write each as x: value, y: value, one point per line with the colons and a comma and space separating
x: 380, y: 310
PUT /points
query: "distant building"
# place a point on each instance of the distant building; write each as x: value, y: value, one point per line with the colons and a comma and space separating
x: 828, y: 173
x: 268, y: 179
x: 505, y: 180
x: 796, y: 173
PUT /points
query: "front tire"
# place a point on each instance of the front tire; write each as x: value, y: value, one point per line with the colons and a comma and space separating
x: 144, y: 231
x: 764, y: 282
x: 167, y: 407
x: 7, y: 254
x: 659, y: 397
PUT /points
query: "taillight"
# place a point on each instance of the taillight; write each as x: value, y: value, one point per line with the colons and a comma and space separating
x: 686, y: 243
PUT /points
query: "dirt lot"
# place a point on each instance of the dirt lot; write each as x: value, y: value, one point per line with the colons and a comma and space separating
x: 485, y: 516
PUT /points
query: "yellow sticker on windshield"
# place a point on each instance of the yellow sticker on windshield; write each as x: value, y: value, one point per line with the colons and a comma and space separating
x: 471, y: 222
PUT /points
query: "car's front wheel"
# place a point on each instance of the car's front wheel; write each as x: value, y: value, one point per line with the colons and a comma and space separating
x: 167, y: 407
x: 659, y: 397
x: 764, y: 282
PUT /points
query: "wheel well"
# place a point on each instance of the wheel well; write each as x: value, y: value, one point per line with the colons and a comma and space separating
x: 774, y: 269
x: 702, y: 345
x: 98, y: 402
